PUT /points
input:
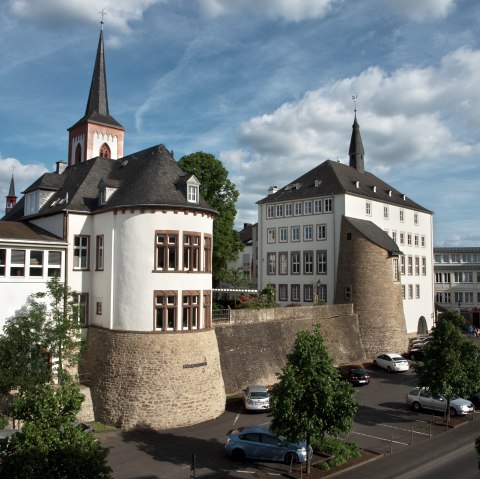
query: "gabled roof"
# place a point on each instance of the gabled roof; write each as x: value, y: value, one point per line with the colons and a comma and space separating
x: 150, y: 177
x: 334, y: 178
x: 375, y: 234
x: 17, y: 231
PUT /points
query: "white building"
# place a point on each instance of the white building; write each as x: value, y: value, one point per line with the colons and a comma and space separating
x: 299, y: 234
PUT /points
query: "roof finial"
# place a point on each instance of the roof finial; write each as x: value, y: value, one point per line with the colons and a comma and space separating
x: 354, y: 98
x: 102, y: 13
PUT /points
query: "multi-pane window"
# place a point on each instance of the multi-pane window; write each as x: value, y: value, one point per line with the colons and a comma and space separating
x: 468, y: 297
x: 317, y: 206
x: 191, y: 252
x: 54, y: 263
x: 394, y: 236
x: 424, y: 266
x: 409, y: 239
x: 328, y: 205
x: 295, y: 262
x: 321, y: 262
x: 165, y: 304
x: 295, y: 233
x: 410, y: 291
x: 283, y: 263
x: 271, y: 263
x: 192, y: 194
x: 415, y: 218
x: 422, y: 239
x: 283, y: 234
x: 368, y: 208
x: 190, y: 310
x: 402, y: 238
x: 402, y: 216
x: 279, y: 212
x: 81, y: 307
x: 417, y: 291
x: 271, y: 235
x: 17, y: 262
x: 80, y: 252
x: 283, y: 292
x: 402, y: 264
x: 298, y: 208
x: 308, y: 293
x: 307, y: 207
x: 415, y: 239
x: 347, y: 293
x: 321, y: 232
x: 403, y: 291
x: 308, y: 233
x: 322, y: 292
x: 207, y: 253
x: 295, y: 292
x: 396, y: 271
x: 410, y: 265
x: 308, y: 262
x: 167, y: 251
x: 36, y: 263
x: 100, y: 253
x: 385, y: 212
x: 288, y: 209
x: 3, y: 260
x: 270, y: 211
x: 458, y: 297
x: 417, y: 265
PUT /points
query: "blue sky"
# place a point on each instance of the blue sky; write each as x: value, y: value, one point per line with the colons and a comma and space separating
x: 264, y: 85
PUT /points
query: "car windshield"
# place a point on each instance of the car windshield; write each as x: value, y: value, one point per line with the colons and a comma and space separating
x: 259, y: 394
x: 357, y: 371
x: 398, y: 358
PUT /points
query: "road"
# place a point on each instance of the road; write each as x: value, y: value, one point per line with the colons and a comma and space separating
x: 383, y: 424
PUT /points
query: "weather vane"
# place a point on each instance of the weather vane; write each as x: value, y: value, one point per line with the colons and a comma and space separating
x: 354, y: 98
x: 102, y: 13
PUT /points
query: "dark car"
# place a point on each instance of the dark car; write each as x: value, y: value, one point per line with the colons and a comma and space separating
x: 475, y: 399
x: 354, y: 375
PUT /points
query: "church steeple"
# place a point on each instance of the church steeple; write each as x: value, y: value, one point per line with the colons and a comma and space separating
x: 97, y: 133
x: 356, y: 151
x: 11, y: 197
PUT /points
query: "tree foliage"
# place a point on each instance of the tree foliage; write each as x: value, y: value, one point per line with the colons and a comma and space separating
x: 310, y: 400
x: 451, y: 365
x: 222, y: 195
x: 46, y: 327
x: 49, y: 445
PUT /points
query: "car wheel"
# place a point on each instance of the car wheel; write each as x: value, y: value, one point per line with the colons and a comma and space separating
x: 238, y: 455
x: 453, y: 412
x: 416, y: 406
x: 291, y: 458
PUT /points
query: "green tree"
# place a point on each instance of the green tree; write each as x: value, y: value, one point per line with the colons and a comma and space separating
x: 451, y: 365
x: 310, y: 400
x: 46, y: 327
x: 49, y: 445
x: 222, y: 195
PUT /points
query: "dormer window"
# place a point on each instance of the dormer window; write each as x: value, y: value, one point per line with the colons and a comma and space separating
x: 193, y: 193
x: 102, y: 196
x: 32, y: 203
x: 374, y: 188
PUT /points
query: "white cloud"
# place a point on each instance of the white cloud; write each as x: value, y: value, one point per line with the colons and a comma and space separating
x: 288, y: 10
x: 420, y: 10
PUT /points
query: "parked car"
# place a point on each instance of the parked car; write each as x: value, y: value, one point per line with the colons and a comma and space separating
x: 475, y: 399
x: 354, y: 375
x: 423, y: 398
x: 416, y: 354
x: 258, y: 442
x: 391, y: 362
x: 256, y: 398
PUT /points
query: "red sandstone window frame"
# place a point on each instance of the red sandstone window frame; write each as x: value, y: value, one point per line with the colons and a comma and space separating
x: 165, y: 315
x: 166, y: 251
x: 207, y: 253
x: 191, y: 251
x: 190, y: 310
x: 207, y: 309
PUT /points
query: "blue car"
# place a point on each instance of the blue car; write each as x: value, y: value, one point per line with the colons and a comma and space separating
x: 258, y: 442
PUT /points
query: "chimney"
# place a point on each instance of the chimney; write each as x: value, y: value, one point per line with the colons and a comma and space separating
x: 61, y: 165
x: 272, y: 189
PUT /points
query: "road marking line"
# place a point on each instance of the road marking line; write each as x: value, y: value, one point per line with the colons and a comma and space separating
x: 403, y: 429
x: 380, y: 438
x: 236, y: 419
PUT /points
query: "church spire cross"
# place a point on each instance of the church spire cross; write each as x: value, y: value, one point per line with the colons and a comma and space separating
x: 354, y: 98
x: 102, y: 13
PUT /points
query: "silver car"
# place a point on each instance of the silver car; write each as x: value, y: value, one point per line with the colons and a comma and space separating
x: 256, y: 398
x: 391, y: 362
x: 423, y: 398
x: 258, y: 442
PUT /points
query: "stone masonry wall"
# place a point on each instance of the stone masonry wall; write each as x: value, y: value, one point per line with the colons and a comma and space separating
x: 254, y: 346
x: 368, y: 270
x: 154, y: 380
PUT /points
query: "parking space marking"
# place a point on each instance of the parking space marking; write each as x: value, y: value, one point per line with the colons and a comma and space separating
x: 403, y: 429
x: 236, y: 419
x: 380, y: 438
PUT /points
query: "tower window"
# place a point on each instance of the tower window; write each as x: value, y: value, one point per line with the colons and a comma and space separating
x: 105, y: 151
x: 78, y: 154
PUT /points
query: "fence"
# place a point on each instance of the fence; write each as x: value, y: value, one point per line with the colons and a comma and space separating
x: 221, y: 315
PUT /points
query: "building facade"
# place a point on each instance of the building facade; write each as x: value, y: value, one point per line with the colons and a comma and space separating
x: 300, y: 228
x: 457, y: 281
x: 135, y: 242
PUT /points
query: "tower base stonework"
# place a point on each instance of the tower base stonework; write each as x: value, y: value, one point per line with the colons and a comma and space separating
x: 153, y: 380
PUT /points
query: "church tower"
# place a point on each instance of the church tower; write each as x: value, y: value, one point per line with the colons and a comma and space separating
x: 11, y: 198
x: 97, y: 133
x: 356, y: 151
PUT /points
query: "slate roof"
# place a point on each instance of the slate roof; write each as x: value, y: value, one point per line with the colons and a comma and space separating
x: 375, y: 234
x: 14, y: 230
x: 335, y: 178
x: 150, y: 177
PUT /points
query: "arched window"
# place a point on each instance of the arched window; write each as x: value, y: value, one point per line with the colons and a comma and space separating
x: 105, y: 151
x: 78, y: 154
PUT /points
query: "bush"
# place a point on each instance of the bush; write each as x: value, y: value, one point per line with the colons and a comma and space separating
x: 3, y: 421
x: 341, y: 451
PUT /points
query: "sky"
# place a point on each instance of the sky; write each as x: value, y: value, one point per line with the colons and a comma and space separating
x: 264, y: 85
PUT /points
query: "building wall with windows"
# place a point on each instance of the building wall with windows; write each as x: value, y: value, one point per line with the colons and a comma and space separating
x: 457, y: 280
